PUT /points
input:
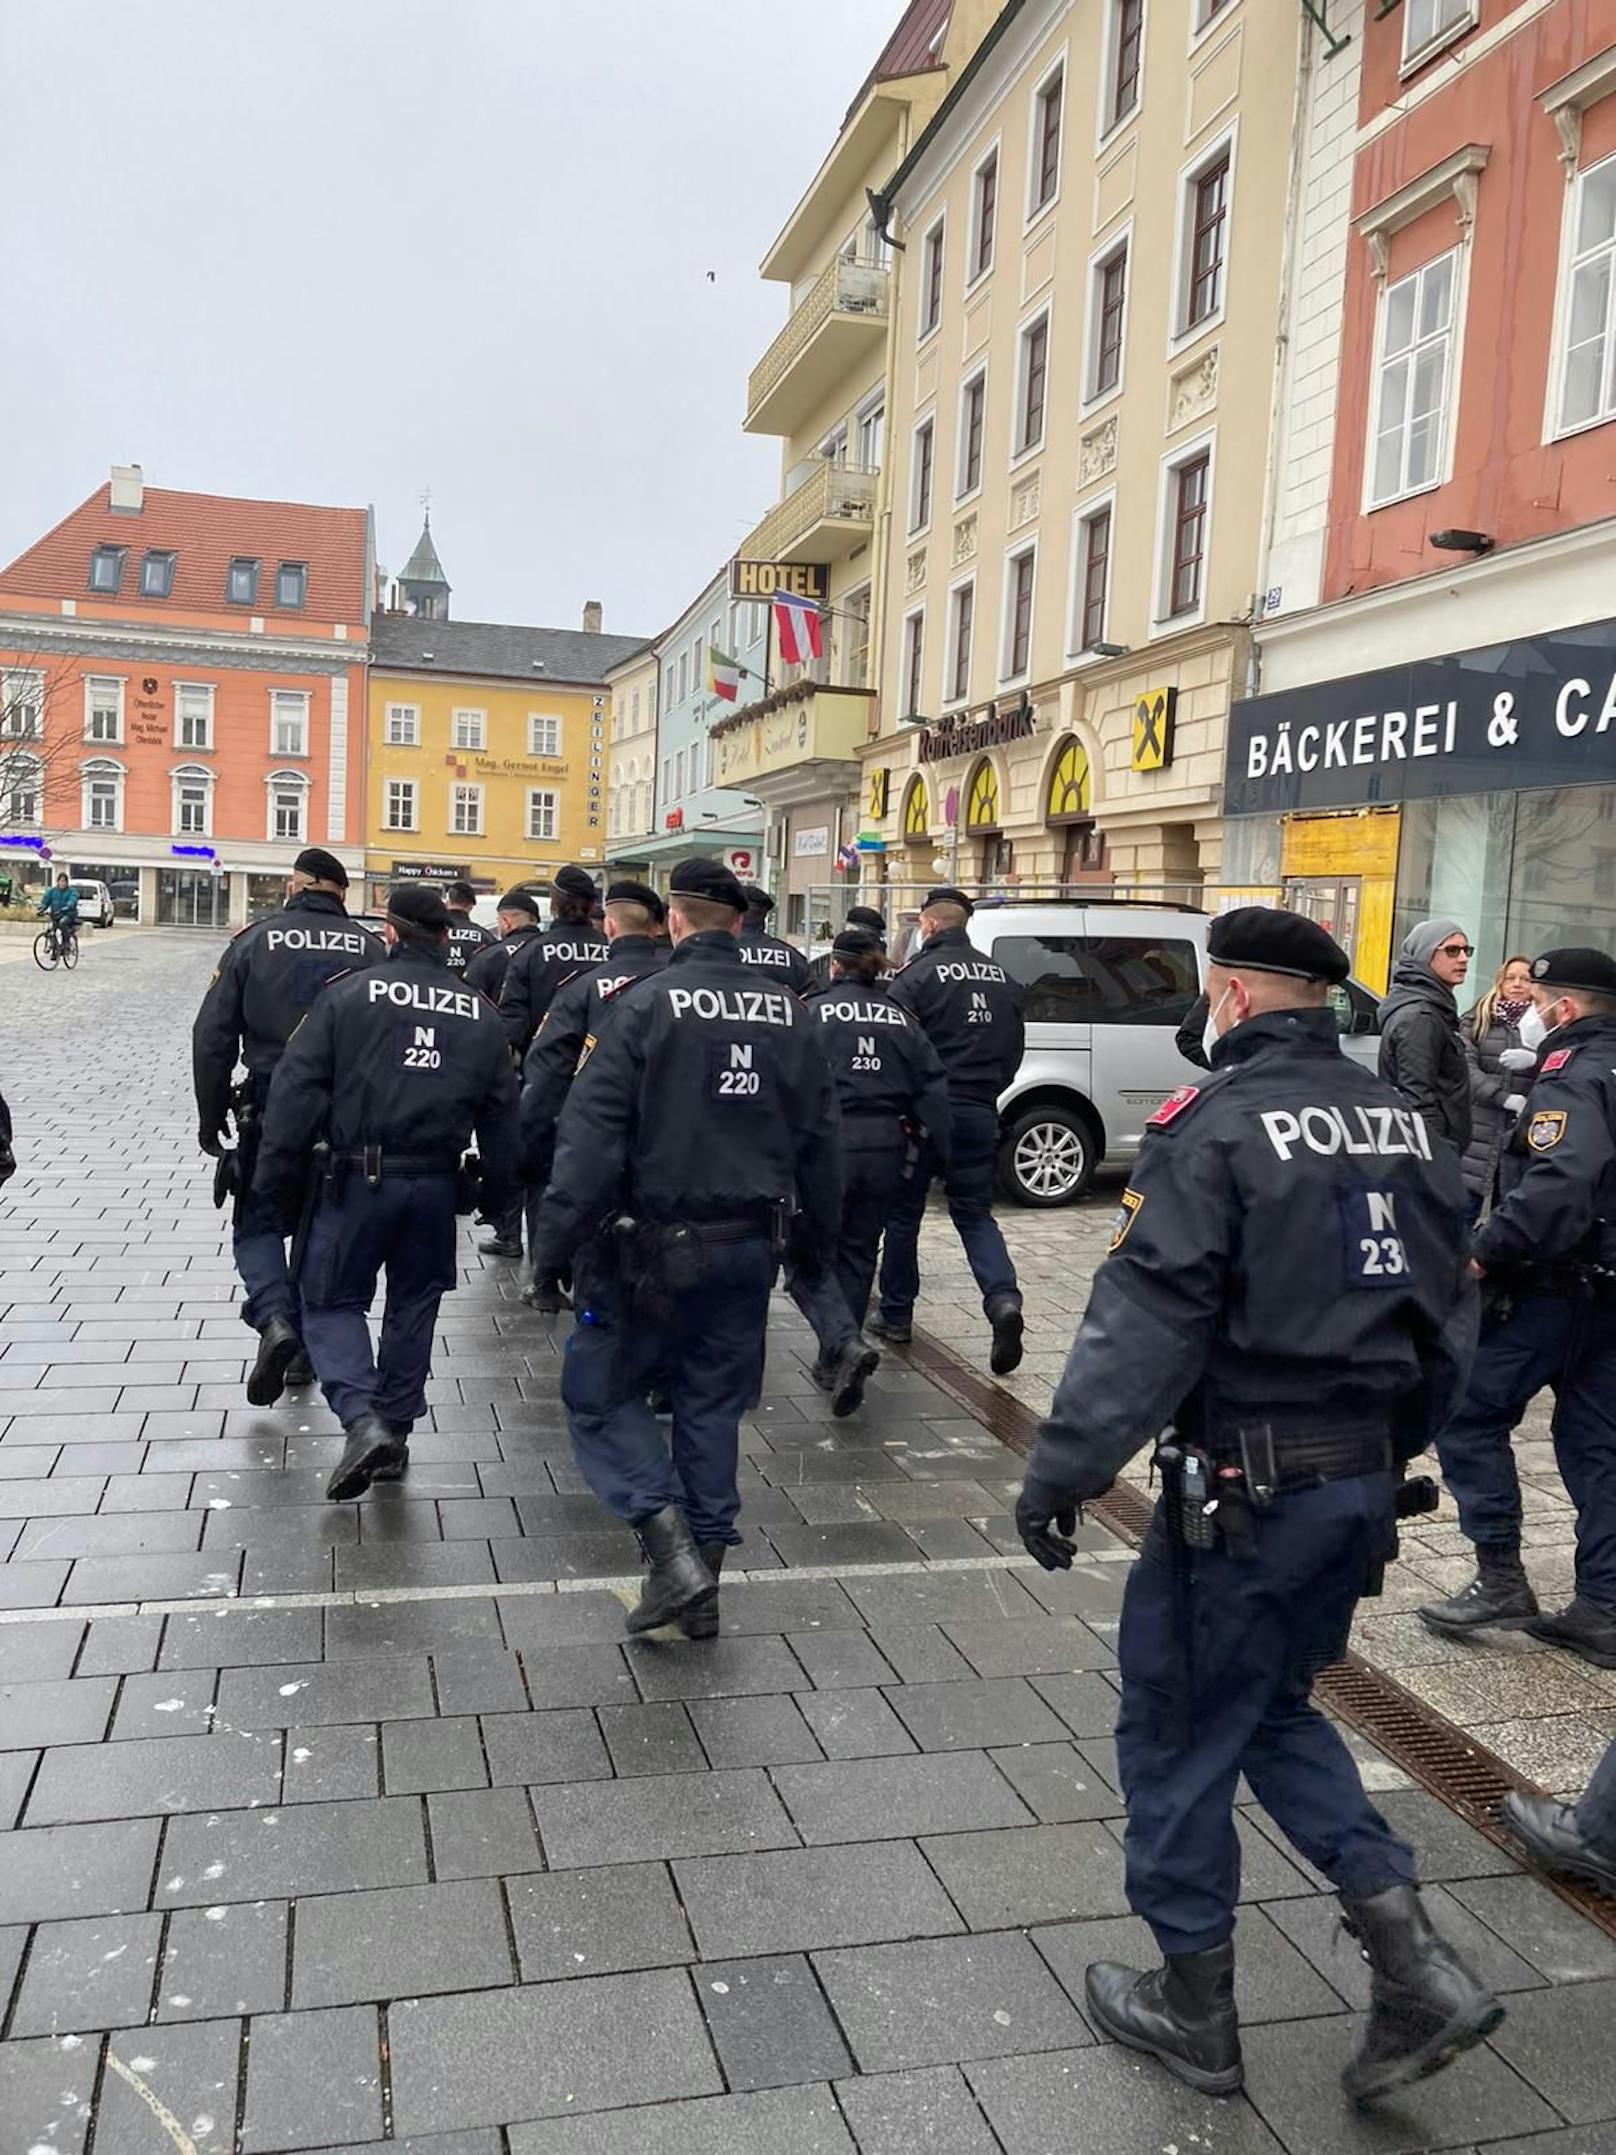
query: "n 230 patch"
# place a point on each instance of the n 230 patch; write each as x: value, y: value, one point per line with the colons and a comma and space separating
x: 1372, y: 1249
x: 1546, y: 1129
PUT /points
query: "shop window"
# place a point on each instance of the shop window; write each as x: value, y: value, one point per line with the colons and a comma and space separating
x: 982, y: 799
x: 1411, y: 386
x: 1588, y: 376
x: 917, y: 813
x: 1102, y: 980
x: 1070, y: 785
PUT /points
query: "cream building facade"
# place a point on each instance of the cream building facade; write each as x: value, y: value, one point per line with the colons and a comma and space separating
x: 1083, y: 383
x: 631, y: 761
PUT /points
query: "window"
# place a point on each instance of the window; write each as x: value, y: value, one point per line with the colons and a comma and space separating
x: 1109, y: 306
x: 711, y: 760
x: 871, y: 439
x: 855, y: 643
x: 931, y: 279
x: 403, y: 728
x: 193, y: 716
x: 1207, y: 11
x: 1018, y: 614
x: 1588, y: 384
x: 19, y: 804
x: 469, y: 729
x: 543, y: 734
x: 973, y: 409
x: 101, y: 807
x: 1101, y: 980
x: 1046, y: 143
x: 193, y: 801
x: 398, y: 809
x: 289, y: 722
x: 667, y: 777
x: 287, y: 794
x: 291, y: 583
x: 1093, y: 576
x: 984, y: 215
x: 156, y: 575
x: 914, y: 652
x: 961, y: 615
x: 541, y: 814
x: 1430, y: 23
x: 22, y: 701
x: 241, y: 583
x: 684, y: 675
x: 679, y: 775
x: 1411, y: 393
x: 1209, y: 231
x: 1128, y: 37
x: 1033, y: 381
x: 920, y: 499
x: 1189, y: 483
x: 106, y: 569
x: 466, y: 811
x: 103, y: 709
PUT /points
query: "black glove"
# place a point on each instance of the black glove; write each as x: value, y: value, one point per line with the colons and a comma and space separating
x: 1040, y: 1507
x: 210, y: 1136
x: 8, y: 1160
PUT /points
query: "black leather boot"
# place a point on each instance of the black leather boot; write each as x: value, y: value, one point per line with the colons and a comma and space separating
x: 373, y: 1446
x: 543, y: 1293
x: 278, y: 1343
x: 678, y: 1583
x: 1004, y: 1314
x: 1425, y: 2007
x: 395, y: 1469
x: 501, y: 1245
x: 1182, y: 2013
x: 702, y: 1621
x: 1500, y: 1593
x: 1581, y: 1627
x: 855, y: 1366
x: 1549, y: 1833
x: 897, y: 1332
x: 299, y: 1370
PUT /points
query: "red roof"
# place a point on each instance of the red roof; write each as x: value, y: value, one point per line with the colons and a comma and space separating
x: 204, y: 532
x: 914, y: 47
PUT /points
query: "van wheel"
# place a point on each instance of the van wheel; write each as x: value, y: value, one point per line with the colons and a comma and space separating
x: 1048, y: 1157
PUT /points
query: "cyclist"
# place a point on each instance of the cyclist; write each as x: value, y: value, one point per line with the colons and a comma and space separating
x: 60, y: 906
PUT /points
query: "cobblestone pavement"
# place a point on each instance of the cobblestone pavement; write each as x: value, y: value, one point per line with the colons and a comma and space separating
x: 355, y: 1827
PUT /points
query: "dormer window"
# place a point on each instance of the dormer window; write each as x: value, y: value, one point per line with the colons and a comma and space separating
x: 291, y: 583
x: 157, y: 575
x: 241, y: 585
x: 106, y: 570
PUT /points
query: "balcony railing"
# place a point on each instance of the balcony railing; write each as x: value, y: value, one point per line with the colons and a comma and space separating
x: 855, y: 290
x: 829, y: 494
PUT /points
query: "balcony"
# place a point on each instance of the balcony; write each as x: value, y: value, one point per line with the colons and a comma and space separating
x: 841, y: 321
x: 799, y: 735
x: 825, y: 517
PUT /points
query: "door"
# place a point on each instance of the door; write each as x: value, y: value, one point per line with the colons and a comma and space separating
x: 192, y: 898
x: 1331, y: 902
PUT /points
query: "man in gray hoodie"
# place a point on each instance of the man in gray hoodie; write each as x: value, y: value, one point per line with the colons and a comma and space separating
x: 1421, y: 1045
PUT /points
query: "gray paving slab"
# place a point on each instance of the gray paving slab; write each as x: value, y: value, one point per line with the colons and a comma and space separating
x: 77, y: 1870
x: 39, y: 1653
x: 33, y: 1714
x: 387, y: 1629
x: 783, y: 2121
x: 1124, y: 2102
x: 920, y: 2112
x: 300, y: 1848
x: 166, y: 1703
x: 226, y: 1638
x: 769, y: 2022
x: 681, y: 1814
x: 971, y: 1715
x: 418, y: 1756
x: 801, y: 1900
x: 304, y: 1694
x: 602, y: 1921
x: 892, y: 1798
x: 725, y: 1668
x: 191, y: 2071
x: 753, y: 1732
x: 938, y: 2001
x: 331, y: 1764
x: 313, y: 2080
x: 1559, y: 2041
x: 94, y: 1973
x: 482, y: 1833
x: 120, y: 1646
x: 1539, y: 1927
x: 224, y: 1960
x: 855, y: 1724
x: 539, y: 1748
x: 153, y: 1775
x: 46, y: 2088
x: 400, y: 1942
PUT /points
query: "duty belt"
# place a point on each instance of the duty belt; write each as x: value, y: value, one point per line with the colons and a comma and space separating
x: 375, y: 1162
x: 1276, y: 1463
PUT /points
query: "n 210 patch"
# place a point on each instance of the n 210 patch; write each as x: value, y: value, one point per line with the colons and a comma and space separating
x: 1372, y: 1250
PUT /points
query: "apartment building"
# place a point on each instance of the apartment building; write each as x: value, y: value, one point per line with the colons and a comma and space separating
x: 631, y: 686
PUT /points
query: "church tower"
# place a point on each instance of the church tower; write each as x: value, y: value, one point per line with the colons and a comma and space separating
x: 424, y: 586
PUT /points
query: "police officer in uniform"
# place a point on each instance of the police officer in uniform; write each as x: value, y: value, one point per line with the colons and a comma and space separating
x: 633, y: 914
x: 388, y: 1075
x: 759, y: 947
x: 970, y: 1010
x: 1546, y: 1254
x: 1286, y: 1295
x: 466, y: 936
x: 570, y: 944
x: 891, y: 1087
x: 518, y: 926
x: 268, y: 977
x: 858, y: 916
x: 698, y: 1142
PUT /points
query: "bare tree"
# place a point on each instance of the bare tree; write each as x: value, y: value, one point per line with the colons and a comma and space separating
x: 43, y: 732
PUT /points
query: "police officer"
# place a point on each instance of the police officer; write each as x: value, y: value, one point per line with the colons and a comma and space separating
x: 570, y: 944
x: 466, y: 936
x: 1546, y: 1254
x: 970, y: 1010
x: 268, y: 977
x: 633, y: 914
x: 391, y: 1070
x: 759, y: 947
x: 1286, y: 1293
x: 702, y: 1118
x: 858, y: 916
x: 890, y: 1086
x: 518, y: 926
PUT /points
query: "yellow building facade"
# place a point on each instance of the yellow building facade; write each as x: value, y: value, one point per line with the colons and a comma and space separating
x: 487, y: 751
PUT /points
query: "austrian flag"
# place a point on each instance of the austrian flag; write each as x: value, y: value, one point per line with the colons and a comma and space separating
x: 797, y: 629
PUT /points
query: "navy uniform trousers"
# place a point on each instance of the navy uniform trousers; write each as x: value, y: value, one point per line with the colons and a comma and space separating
x: 1596, y: 1812
x: 405, y: 1225
x: 968, y: 1185
x: 1567, y: 1340
x: 873, y: 1154
x: 709, y: 1357
x: 1217, y: 1657
x: 258, y: 1244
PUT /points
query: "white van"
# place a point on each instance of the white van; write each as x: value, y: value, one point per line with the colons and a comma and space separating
x: 1108, y: 984
x: 96, y: 909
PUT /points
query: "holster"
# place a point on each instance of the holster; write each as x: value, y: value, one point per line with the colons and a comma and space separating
x: 244, y: 1105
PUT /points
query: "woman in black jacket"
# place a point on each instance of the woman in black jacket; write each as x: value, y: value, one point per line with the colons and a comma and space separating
x: 1490, y: 1036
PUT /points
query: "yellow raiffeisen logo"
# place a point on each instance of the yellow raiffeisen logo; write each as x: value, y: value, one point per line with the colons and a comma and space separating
x: 1153, y: 714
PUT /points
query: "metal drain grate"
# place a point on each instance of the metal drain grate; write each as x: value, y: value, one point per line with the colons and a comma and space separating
x: 1442, y: 1759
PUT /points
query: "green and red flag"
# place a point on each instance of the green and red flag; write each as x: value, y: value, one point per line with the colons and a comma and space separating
x: 723, y: 674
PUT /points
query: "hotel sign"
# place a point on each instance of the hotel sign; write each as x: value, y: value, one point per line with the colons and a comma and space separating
x: 998, y: 725
x: 772, y: 579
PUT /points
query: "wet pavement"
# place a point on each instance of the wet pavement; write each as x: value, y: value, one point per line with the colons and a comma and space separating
x: 344, y: 1827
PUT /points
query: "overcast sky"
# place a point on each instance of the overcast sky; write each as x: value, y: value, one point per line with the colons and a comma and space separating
x: 340, y: 250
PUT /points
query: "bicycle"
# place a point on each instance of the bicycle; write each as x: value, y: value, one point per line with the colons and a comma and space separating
x: 54, y: 945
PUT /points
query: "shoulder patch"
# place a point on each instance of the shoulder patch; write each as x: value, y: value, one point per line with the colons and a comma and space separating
x: 1173, y: 1106
x: 584, y: 1053
x: 1546, y: 1129
x: 1556, y: 1061
x: 1132, y: 1205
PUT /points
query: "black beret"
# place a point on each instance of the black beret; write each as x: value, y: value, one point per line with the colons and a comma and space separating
x: 519, y: 901
x: 856, y: 943
x: 1591, y: 971
x: 574, y: 882
x: 709, y: 879
x: 948, y: 896
x: 636, y: 894
x: 865, y: 916
x: 323, y: 866
x: 418, y: 907
x: 461, y: 892
x: 1266, y: 939
x: 757, y: 898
